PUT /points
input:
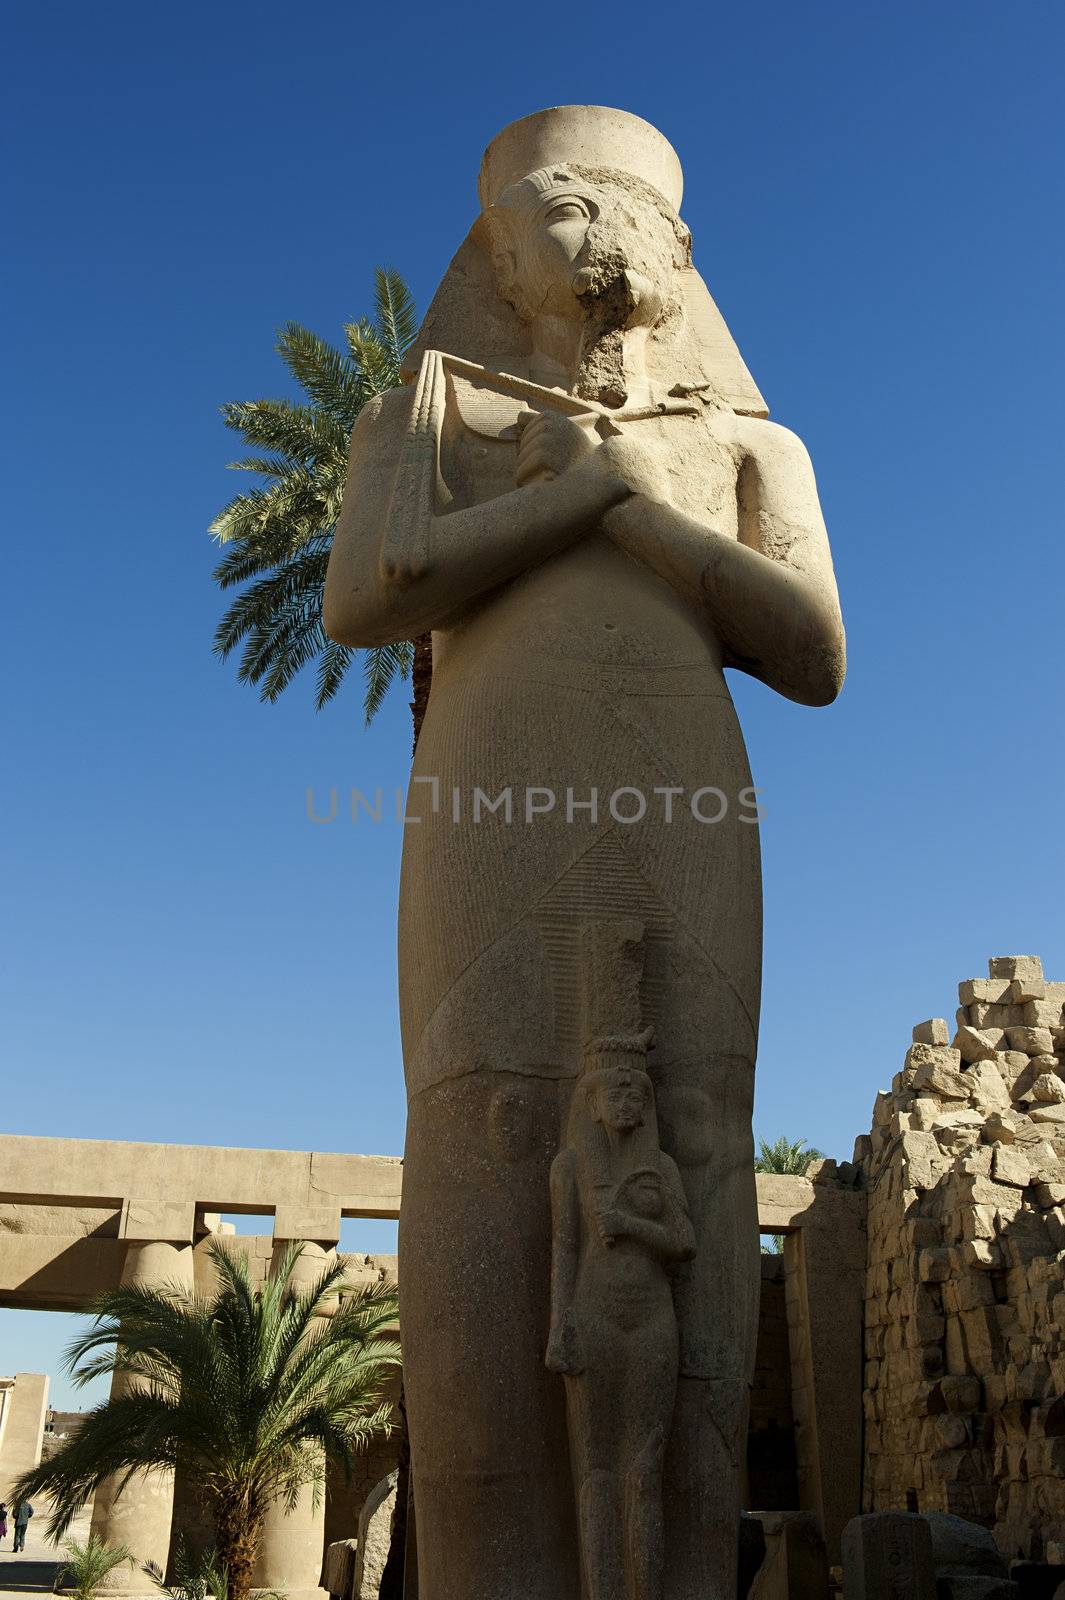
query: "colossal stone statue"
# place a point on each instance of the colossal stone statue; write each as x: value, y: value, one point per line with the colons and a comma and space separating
x: 581, y: 497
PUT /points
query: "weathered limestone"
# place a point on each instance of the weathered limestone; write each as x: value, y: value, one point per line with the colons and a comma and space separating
x: 374, y: 1533
x: 824, y: 1275
x: 965, y: 1297
x: 88, y: 1172
x: 23, y: 1406
x: 140, y: 1515
x: 580, y: 480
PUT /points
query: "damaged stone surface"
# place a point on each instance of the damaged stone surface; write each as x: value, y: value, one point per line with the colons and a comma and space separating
x: 964, y: 1389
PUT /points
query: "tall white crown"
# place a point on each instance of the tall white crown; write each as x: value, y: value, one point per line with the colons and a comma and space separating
x: 591, y: 136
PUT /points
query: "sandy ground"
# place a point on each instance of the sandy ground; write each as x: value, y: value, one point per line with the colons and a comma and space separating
x: 33, y: 1571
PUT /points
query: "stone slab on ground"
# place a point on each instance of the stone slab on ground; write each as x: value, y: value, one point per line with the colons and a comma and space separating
x: 887, y: 1555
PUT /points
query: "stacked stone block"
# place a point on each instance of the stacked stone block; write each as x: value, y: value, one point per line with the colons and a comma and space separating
x: 965, y: 1296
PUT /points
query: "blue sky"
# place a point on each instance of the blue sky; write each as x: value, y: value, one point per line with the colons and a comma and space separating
x: 875, y: 196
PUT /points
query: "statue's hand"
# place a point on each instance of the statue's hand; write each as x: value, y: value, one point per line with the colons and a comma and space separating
x: 548, y: 443
x: 563, y: 1347
x: 624, y: 456
x: 611, y: 1226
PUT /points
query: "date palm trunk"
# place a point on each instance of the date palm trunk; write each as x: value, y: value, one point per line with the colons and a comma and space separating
x: 237, y: 1533
x: 421, y: 680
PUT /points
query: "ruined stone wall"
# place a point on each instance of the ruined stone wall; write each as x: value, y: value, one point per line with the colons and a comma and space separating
x: 965, y: 1298
x: 772, y: 1470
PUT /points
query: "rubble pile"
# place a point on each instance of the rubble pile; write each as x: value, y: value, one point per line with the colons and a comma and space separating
x: 965, y: 1296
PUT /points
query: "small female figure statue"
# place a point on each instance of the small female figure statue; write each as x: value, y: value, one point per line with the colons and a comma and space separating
x: 620, y: 1221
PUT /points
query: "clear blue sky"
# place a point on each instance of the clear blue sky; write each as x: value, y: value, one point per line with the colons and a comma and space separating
x: 875, y: 196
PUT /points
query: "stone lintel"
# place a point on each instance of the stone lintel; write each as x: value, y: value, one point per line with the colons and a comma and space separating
x: 784, y: 1202
x: 105, y: 1172
x: 163, y: 1221
x: 317, y: 1224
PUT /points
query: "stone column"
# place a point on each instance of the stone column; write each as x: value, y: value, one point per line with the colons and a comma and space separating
x: 158, y: 1255
x: 292, y: 1546
x: 824, y: 1272
x: 23, y: 1409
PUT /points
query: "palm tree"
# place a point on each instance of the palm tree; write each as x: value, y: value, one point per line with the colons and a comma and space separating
x: 788, y: 1156
x: 785, y: 1155
x: 246, y: 1390
x: 89, y: 1564
x: 278, y: 535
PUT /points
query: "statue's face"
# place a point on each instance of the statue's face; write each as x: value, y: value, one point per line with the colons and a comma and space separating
x: 556, y: 238
x: 621, y: 1103
x: 566, y: 249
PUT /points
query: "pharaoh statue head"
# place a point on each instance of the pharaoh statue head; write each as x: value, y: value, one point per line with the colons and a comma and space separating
x: 580, y: 221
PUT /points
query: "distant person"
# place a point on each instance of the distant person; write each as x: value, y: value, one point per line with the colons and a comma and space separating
x: 23, y: 1513
x: 3, y: 1522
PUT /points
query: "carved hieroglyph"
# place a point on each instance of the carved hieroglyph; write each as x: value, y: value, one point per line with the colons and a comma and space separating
x: 580, y: 495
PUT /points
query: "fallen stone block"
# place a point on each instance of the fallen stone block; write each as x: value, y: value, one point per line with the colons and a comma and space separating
x: 960, y: 1393
x: 1022, y: 989
x: 984, y: 991
x: 983, y: 1015
x: 934, y: 1031
x: 962, y: 1546
x: 887, y: 1555
x: 962, y: 1118
x: 1047, y: 1089
x: 1041, y: 1014
x: 987, y: 1087
x: 980, y: 1044
x: 982, y: 1254
x: 1001, y: 1126
x: 1033, y: 1041
x: 1009, y: 1165
x: 338, y: 1569
x: 1015, y: 967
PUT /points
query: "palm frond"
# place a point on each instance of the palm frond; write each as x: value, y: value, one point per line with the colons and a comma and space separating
x: 380, y: 666
x: 333, y: 663
x: 785, y: 1155
x: 377, y: 370
x: 396, y: 319
x: 279, y: 532
x: 302, y: 433
x: 324, y: 372
x: 88, y: 1565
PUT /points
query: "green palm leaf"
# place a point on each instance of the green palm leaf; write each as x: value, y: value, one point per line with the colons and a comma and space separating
x: 278, y: 533
x: 249, y: 1390
x: 785, y: 1156
x: 396, y: 320
x: 380, y: 667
